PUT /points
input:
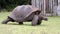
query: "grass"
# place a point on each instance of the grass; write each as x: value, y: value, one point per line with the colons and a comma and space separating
x: 52, y: 26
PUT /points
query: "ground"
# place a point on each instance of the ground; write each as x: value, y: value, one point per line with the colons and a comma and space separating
x: 52, y: 26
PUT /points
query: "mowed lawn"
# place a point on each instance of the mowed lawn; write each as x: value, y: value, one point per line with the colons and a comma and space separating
x: 52, y: 26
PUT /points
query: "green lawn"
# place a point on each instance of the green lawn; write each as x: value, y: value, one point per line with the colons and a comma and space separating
x: 52, y: 26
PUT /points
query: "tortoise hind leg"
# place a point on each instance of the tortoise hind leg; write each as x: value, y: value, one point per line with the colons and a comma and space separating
x: 7, y: 20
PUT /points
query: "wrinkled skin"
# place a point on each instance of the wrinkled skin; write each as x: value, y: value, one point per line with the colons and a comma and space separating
x: 39, y: 20
x: 41, y: 17
x: 25, y: 13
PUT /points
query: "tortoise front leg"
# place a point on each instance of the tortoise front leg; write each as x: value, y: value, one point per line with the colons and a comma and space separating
x: 35, y: 20
x: 21, y: 23
x: 39, y: 22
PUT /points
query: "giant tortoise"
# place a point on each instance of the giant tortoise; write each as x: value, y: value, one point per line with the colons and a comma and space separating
x: 25, y: 13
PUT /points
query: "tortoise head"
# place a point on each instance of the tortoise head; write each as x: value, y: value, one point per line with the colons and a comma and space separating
x: 42, y: 17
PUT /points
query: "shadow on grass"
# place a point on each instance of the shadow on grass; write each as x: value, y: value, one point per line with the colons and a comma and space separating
x: 19, y: 24
x: 25, y: 24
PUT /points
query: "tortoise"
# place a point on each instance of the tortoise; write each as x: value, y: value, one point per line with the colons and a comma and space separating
x: 25, y: 13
